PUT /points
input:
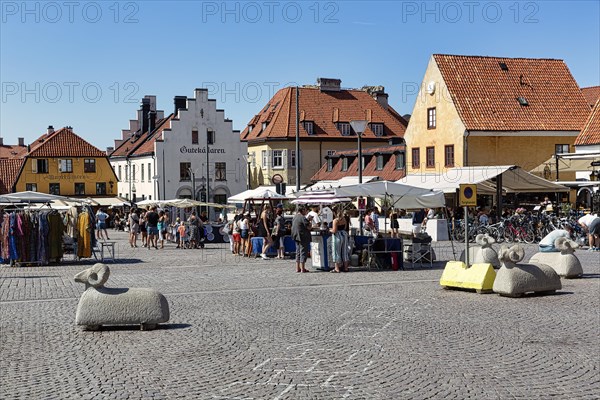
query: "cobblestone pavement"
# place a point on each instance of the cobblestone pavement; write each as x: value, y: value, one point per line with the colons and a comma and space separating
x: 252, y: 329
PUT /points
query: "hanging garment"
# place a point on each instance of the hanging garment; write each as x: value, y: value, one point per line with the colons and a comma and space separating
x: 84, y: 242
x: 43, y: 237
x: 5, y: 234
x: 56, y: 229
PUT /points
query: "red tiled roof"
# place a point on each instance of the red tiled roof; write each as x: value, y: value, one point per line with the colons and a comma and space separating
x: 324, y: 109
x: 148, y: 146
x: 388, y: 173
x: 486, y: 96
x: 591, y: 94
x: 590, y: 134
x: 9, y: 171
x: 138, y: 144
x: 12, y: 151
x: 63, y: 143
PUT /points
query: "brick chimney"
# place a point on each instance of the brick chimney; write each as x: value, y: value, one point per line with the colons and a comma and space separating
x: 180, y: 103
x: 109, y: 150
x: 151, y: 121
x: 329, y: 84
x: 379, y: 94
x: 21, y: 142
x: 144, y: 116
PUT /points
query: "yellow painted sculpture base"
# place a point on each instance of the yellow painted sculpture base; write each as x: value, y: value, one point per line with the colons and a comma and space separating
x: 479, y: 276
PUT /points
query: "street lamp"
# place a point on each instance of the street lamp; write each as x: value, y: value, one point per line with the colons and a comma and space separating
x: 249, y: 159
x: 202, y: 189
x: 359, y: 127
x: 133, y: 193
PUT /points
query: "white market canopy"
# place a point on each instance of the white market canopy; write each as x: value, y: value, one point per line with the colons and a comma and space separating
x: 261, y: 192
x: 33, y: 197
x: 320, y: 197
x: 345, y: 181
x: 402, y: 195
x: 569, y: 162
x: 514, y: 180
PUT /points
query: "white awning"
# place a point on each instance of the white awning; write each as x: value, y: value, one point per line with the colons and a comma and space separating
x: 514, y: 180
x: 261, y: 192
x: 571, y: 162
x: 107, y: 201
x: 402, y: 195
x: 323, y: 197
x: 345, y: 181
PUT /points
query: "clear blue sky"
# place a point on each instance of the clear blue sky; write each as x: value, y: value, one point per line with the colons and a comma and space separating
x: 55, y: 59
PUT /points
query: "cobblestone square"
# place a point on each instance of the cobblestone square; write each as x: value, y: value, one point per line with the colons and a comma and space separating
x: 252, y: 329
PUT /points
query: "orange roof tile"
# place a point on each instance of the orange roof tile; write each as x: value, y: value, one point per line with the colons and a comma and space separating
x: 388, y: 173
x: 591, y: 94
x: 147, y: 147
x: 138, y: 143
x: 324, y: 109
x: 63, y: 143
x: 590, y: 134
x: 9, y: 172
x: 12, y: 151
x: 486, y: 96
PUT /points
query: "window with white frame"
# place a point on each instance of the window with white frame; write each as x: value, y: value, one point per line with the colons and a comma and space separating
x: 65, y: 165
x: 220, y: 171
x: 292, y: 159
x: 344, y: 163
x: 377, y: 129
x: 119, y: 172
x: 400, y: 160
x: 379, y: 162
x: 149, y: 172
x: 344, y: 128
x: 142, y: 176
x: 329, y: 164
x: 265, y: 159
x: 31, y: 187
x: 126, y: 173
x: 330, y: 153
x: 277, y: 159
x: 308, y: 127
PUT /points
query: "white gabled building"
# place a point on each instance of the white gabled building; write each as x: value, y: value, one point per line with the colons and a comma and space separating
x: 161, y: 157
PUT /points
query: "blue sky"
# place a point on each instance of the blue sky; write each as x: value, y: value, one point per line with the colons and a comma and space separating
x: 88, y: 64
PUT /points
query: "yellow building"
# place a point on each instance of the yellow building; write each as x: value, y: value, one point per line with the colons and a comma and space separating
x: 477, y: 111
x: 324, y: 114
x: 62, y: 163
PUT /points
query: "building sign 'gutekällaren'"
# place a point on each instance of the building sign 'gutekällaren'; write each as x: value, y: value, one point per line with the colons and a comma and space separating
x: 201, y: 150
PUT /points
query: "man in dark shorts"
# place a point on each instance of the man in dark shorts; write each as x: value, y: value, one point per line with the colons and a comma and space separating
x: 152, y: 227
x: 591, y: 224
x: 301, y: 235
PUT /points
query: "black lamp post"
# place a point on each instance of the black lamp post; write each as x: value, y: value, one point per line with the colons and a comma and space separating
x: 359, y: 127
x: 249, y: 158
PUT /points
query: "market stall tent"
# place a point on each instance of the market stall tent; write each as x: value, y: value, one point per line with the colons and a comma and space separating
x: 402, y: 196
x: 514, y: 180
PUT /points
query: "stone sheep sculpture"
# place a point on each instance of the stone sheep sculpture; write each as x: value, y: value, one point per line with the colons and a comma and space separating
x: 486, y: 253
x: 117, y: 306
x: 514, y: 279
x: 565, y: 263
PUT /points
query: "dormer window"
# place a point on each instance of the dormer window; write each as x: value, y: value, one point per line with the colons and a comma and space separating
x: 308, y: 127
x: 344, y: 128
x: 400, y: 160
x: 264, y: 125
x: 379, y: 162
x: 250, y: 127
x: 344, y: 163
x: 329, y: 164
x: 377, y: 129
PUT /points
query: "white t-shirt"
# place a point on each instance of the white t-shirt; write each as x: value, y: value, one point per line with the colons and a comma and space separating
x: 326, y: 215
x: 549, y: 239
x: 587, y: 219
x: 316, y: 220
